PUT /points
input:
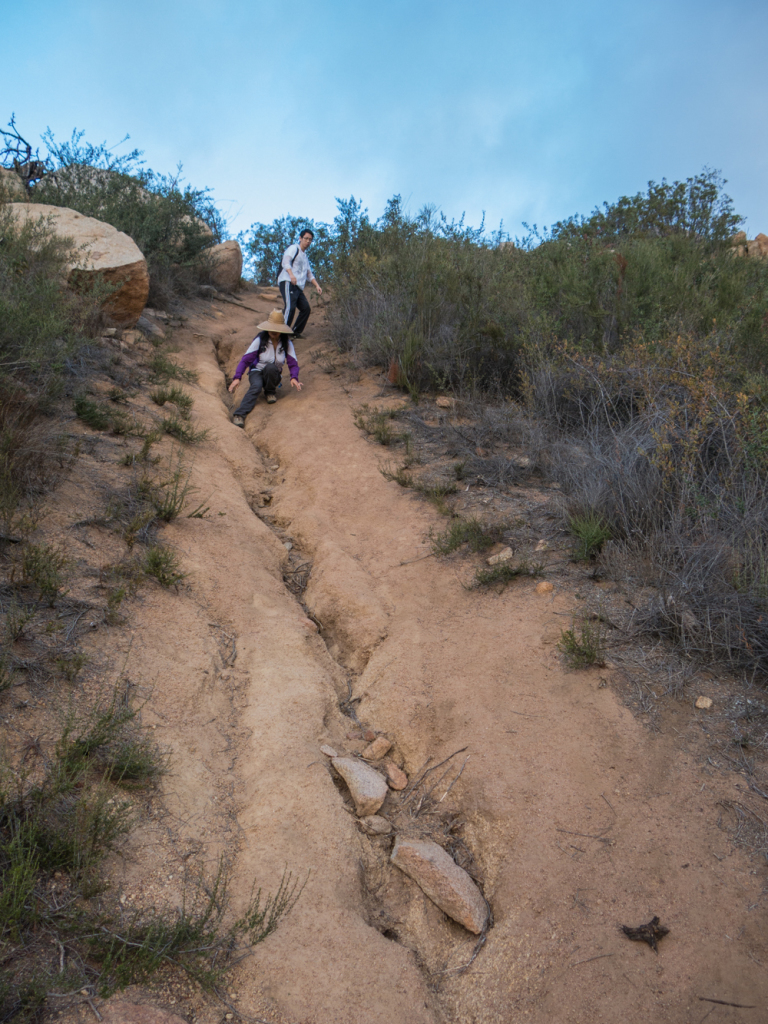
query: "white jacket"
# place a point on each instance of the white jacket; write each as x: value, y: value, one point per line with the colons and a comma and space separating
x: 295, y: 259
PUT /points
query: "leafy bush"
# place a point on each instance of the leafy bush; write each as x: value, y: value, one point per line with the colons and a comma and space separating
x: 470, y: 532
x: 164, y: 565
x: 582, y: 645
x: 591, y: 533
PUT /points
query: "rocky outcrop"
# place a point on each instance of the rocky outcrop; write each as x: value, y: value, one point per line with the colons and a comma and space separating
x: 743, y: 246
x: 226, y: 264
x: 11, y: 185
x: 443, y: 881
x: 369, y: 790
x: 100, y: 253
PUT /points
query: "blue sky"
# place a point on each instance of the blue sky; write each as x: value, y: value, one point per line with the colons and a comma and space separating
x: 529, y: 112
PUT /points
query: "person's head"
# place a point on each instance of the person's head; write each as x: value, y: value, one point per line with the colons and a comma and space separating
x: 305, y: 239
x: 275, y: 329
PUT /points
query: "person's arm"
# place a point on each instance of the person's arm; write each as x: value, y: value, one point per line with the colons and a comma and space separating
x: 247, y: 361
x: 293, y: 366
x: 287, y: 261
x: 311, y: 277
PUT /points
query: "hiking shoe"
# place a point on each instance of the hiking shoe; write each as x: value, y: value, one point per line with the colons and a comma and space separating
x: 271, y: 398
x: 239, y: 421
x: 299, y: 336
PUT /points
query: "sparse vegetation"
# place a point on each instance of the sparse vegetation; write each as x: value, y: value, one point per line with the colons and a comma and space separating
x: 164, y: 565
x: 182, y: 430
x: 506, y: 572
x: 583, y: 645
x: 178, y: 396
x: 164, y: 370
x: 470, y: 532
x: 377, y: 423
x: 591, y: 533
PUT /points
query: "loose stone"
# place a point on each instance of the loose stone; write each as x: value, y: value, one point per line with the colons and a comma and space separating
x: 367, y: 787
x: 376, y: 825
x: 503, y: 556
x: 396, y: 778
x: 380, y: 746
x: 328, y: 751
x: 545, y: 587
x: 443, y: 881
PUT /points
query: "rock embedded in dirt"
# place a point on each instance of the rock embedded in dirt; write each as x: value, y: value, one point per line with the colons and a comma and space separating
x: 441, y: 879
x: 121, y: 1011
x: 703, y: 703
x: 368, y: 789
x: 396, y: 777
x: 100, y: 253
x: 146, y: 325
x: 368, y: 734
x: 503, y: 556
x: 380, y: 746
x: 328, y: 751
x: 445, y: 403
x: 541, y: 546
x: 545, y: 587
x: 376, y: 825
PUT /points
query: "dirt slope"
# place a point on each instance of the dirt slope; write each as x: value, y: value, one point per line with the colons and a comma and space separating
x: 578, y: 818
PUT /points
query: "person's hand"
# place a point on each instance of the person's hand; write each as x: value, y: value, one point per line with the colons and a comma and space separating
x: 293, y: 276
x: 295, y: 384
x: 318, y: 288
x: 234, y: 385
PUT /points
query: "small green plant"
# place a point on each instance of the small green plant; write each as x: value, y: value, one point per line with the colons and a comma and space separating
x: 399, y: 475
x: 182, y: 430
x: 436, y: 491
x: 117, y: 395
x: 43, y: 566
x: 17, y: 618
x: 470, y: 532
x: 180, y: 398
x: 164, y: 565
x: 377, y: 423
x: 71, y: 665
x: 169, y: 497
x: 583, y: 645
x: 144, y: 453
x: 164, y: 370
x: 592, y: 532
x: 506, y: 572
x: 6, y: 675
x: 93, y: 414
x: 460, y: 469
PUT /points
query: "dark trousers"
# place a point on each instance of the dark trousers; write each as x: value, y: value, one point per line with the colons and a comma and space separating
x: 295, y: 299
x: 268, y: 378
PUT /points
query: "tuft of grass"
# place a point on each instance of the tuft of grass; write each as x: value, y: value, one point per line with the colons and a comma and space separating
x: 144, y: 453
x: 377, y: 423
x: 93, y: 414
x: 182, y: 430
x: 470, y: 532
x: 43, y: 567
x: 17, y: 618
x: 591, y: 531
x: 506, y: 572
x: 582, y: 645
x: 6, y: 675
x: 399, y: 475
x: 164, y: 565
x: 164, y: 370
x: 436, y: 491
x: 71, y: 665
x: 180, y: 398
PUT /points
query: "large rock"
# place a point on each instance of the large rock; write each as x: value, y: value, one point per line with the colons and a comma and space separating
x: 368, y: 788
x: 11, y: 185
x: 104, y: 253
x: 226, y: 264
x: 443, y: 881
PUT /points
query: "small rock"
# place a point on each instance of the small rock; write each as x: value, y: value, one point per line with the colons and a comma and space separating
x: 541, y: 546
x: 555, y: 487
x: 148, y: 327
x: 328, y: 751
x: 287, y: 545
x: 109, y: 332
x: 445, y: 403
x: 703, y: 703
x: 545, y: 587
x: 368, y: 789
x: 396, y: 777
x: 368, y: 734
x: 380, y: 746
x: 207, y: 291
x: 376, y: 825
x: 443, y: 881
x: 354, y: 735
x: 523, y: 461
x: 131, y: 337
x: 503, y: 556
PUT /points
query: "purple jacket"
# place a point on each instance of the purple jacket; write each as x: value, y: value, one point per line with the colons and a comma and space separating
x: 255, y: 360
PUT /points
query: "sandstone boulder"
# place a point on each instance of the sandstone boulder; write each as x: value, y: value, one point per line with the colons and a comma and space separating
x: 443, y: 881
x: 103, y: 253
x: 368, y: 788
x: 226, y: 264
x: 11, y: 185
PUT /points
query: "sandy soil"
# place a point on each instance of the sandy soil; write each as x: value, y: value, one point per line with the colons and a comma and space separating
x: 576, y: 817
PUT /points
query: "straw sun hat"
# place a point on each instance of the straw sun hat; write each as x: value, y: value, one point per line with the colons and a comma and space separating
x: 276, y: 323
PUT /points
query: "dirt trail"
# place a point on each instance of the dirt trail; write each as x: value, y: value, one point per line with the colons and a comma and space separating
x: 578, y: 817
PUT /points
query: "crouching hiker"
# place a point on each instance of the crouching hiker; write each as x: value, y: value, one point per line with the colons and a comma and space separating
x: 269, y: 350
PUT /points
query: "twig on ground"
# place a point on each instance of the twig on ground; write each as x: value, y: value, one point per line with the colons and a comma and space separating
x: 589, y: 959
x: 722, y: 1002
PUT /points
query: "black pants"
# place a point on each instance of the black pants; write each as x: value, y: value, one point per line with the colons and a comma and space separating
x: 293, y: 299
x: 268, y: 378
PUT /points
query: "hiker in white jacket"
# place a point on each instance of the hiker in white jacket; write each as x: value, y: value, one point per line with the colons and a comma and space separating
x: 293, y: 277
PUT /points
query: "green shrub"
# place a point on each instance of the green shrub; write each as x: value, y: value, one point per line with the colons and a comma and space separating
x: 180, y: 398
x: 506, y: 572
x: 583, y: 645
x: 164, y: 369
x: 42, y: 567
x: 470, y: 532
x: 591, y: 532
x: 377, y: 423
x: 164, y: 565
x: 182, y: 430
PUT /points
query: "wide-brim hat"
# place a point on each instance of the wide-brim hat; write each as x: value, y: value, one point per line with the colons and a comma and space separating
x: 275, y: 322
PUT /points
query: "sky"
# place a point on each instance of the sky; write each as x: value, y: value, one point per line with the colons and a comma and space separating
x: 523, y: 112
